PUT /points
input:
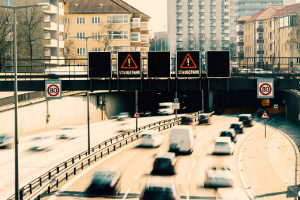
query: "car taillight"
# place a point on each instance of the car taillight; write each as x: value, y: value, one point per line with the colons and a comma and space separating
x: 174, y: 163
x: 113, y: 183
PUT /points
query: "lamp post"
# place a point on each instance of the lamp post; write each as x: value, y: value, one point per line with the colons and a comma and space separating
x: 88, y: 93
x: 16, y: 141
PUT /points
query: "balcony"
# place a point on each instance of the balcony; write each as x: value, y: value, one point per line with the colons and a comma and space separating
x: 260, y: 41
x: 240, y: 43
x: 145, y: 32
x: 240, y: 33
x: 260, y: 52
x: 50, y: 43
x: 47, y: 18
x: 260, y: 29
x: 51, y: 9
x: 179, y: 39
x: 179, y: 32
x: 50, y: 26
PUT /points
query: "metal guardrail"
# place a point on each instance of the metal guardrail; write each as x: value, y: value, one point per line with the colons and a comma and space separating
x: 43, y: 185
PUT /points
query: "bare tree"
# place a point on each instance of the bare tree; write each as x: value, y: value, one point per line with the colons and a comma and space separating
x: 294, y: 39
x: 69, y: 43
x: 104, y: 42
x: 5, y: 35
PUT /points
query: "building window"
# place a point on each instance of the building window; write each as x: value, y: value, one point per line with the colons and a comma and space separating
x: 118, y: 34
x: 80, y: 51
x: 298, y: 60
x: 96, y: 49
x: 117, y: 19
x: 96, y: 36
x: 135, y: 37
x: 95, y: 20
x: 80, y: 20
x: 144, y: 38
x: 298, y: 46
x: 135, y: 22
x: 144, y: 25
x: 80, y: 36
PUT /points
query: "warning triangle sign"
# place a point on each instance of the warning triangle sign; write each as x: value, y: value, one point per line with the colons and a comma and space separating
x: 265, y: 115
x: 136, y: 114
x: 129, y: 63
x: 188, y: 62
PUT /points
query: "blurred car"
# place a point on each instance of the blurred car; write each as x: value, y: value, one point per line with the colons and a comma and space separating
x: 231, y: 194
x: 151, y: 138
x: 238, y: 127
x: 223, y: 145
x: 66, y: 133
x: 244, y: 71
x: 229, y: 133
x: 105, y: 181
x: 41, y: 143
x: 204, y: 119
x: 160, y: 189
x: 122, y: 116
x: 246, y: 119
x: 218, y: 176
x: 164, y: 163
x: 5, y: 141
x: 145, y: 114
x: 186, y: 120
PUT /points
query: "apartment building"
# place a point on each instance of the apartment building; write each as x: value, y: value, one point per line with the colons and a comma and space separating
x: 240, y: 35
x: 113, y: 25
x: 198, y: 25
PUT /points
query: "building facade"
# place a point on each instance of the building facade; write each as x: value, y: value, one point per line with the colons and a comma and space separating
x: 113, y: 25
x: 198, y: 24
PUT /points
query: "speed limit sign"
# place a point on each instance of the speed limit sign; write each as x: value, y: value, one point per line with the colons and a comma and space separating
x: 265, y: 88
x: 53, y: 89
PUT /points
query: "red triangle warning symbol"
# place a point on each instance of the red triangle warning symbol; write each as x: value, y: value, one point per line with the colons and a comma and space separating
x: 136, y: 114
x: 188, y: 63
x: 129, y: 63
x: 265, y: 115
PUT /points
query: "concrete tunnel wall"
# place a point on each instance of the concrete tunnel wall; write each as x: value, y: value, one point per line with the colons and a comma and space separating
x: 292, y: 111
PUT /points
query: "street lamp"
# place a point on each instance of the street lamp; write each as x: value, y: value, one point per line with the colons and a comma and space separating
x: 88, y: 93
x: 14, y: 9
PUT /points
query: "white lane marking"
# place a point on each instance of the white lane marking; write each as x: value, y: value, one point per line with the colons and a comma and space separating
x: 199, y: 153
x: 76, y: 178
x: 187, y: 195
x: 126, y: 193
x: 189, y: 177
x: 149, y: 162
x: 194, y: 163
x: 137, y: 175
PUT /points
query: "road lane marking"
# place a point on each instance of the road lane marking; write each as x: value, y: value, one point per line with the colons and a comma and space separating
x: 137, y: 175
x: 189, y: 177
x: 149, y: 162
x: 187, y: 195
x: 126, y: 193
x: 194, y: 163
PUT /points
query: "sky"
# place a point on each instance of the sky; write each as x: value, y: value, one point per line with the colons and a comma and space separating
x: 156, y: 9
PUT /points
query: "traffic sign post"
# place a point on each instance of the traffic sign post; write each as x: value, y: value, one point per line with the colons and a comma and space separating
x: 275, y: 106
x: 176, y: 106
x: 265, y: 116
x: 176, y: 100
x: 265, y: 88
x: 53, y: 89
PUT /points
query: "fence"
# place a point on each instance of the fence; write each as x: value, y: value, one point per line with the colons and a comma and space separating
x: 43, y: 185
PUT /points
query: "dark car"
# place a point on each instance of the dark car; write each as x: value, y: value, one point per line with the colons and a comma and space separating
x: 145, y: 114
x: 164, y: 163
x: 186, y: 120
x: 238, y: 127
x: 204, y: 119
x: 246, y: 119
x: 104, y: 182
x: 229, y: 133
x: 159, y: 189
x: 5, y: 141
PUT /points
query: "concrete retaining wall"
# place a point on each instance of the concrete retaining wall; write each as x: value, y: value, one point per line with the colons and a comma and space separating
x: 293, y: 105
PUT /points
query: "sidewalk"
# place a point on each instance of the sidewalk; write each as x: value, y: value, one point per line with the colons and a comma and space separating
x: 271, y: 165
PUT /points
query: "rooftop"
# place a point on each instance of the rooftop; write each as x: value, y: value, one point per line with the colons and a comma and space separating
x: 265, y: 13
x: 288, y: 10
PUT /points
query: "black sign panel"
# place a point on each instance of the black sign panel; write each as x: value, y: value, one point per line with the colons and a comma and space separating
x: 159, y: 64
x: 129, y: 64
x: 188, y: 64
x: 99, y: 65
x: 218, y: 64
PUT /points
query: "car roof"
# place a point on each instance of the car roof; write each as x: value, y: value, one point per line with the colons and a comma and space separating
x: 180, y: 127
x: 169, y: 155
x: 228, y: 130
x: 223, y: 139
x: 160, y: 182
x: 245, y: 115
x: 239, y: 123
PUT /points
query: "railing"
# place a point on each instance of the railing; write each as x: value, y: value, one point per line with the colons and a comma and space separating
x: 22, y: 97
x: 43, y: 185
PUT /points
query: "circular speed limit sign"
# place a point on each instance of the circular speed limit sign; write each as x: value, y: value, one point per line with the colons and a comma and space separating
x: 53, y: 90
x: 265, y: 89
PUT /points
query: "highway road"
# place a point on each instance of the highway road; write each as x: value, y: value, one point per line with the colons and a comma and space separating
x: 135, y: 164
x: 32, y: 164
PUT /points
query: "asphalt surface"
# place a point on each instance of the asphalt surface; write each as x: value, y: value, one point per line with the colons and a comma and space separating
x: 32, y: 164
x: 135, y: 164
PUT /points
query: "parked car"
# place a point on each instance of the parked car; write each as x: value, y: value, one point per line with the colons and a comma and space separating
x: 204, y: 119
x: 106, y: 181
x: 164, y: 163
x: 160, y: 189
x: 238, y: 127
x: 246, y: 119
x: 151, y: 138
x: 229, y: 133
x: 186, y: 120
x: 218, y: 176
x: 181, y: 139
x: 5, y: 141
x: 223, y: 145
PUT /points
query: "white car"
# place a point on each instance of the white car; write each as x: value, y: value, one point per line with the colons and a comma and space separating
x: 151, y: 138
x: 218, y: 176
x: 223, y: 145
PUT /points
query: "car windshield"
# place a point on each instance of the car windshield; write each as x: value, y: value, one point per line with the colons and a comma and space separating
x: 103, y: 177
x: 243, y: 118
x: 146, y: 136
x: 164, y: 162
x: 158, y: 193
x: 221, y: 144
x: 163, y: 107
x: 234, y: 126
x: 202, y: 116
x: 225, y: 134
